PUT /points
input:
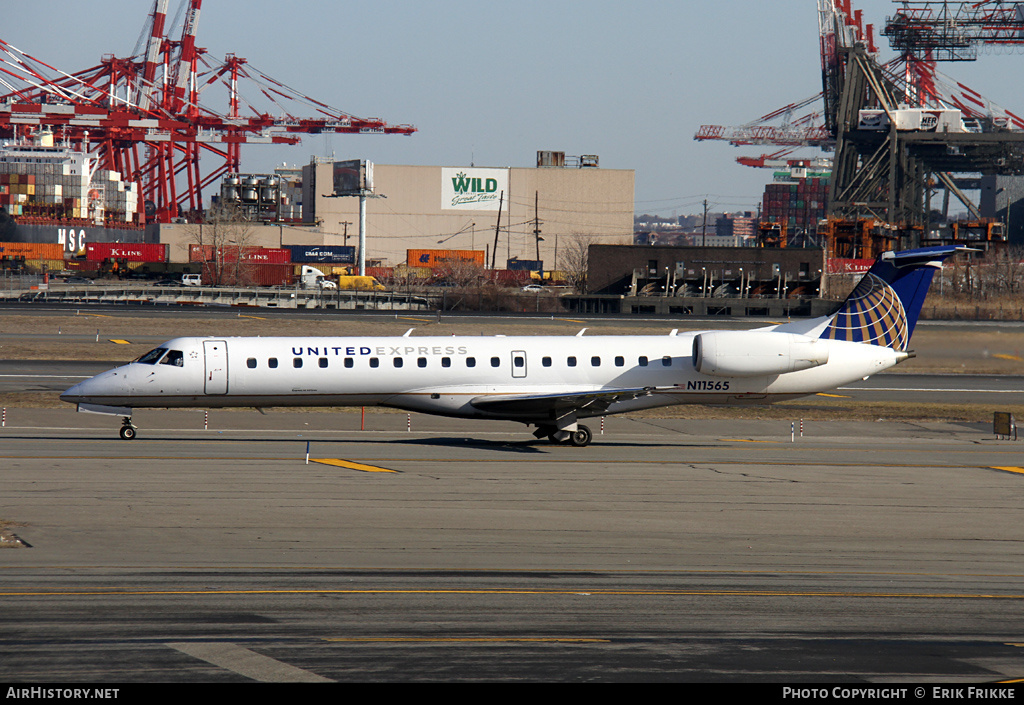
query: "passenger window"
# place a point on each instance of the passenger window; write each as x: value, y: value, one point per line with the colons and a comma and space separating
x: 421, y: 361
x: 571, y: 362
x: 446, y: 362
x: 348, y: 362
x: 620, y: 361
x: 595, y: 361
x: 495, y: 362
x: 666, y: 361
x: 470, y: 362
x: 642, y: 361
x: 272, y: 363
x: 519, y: 362
x: 374, y: 362
x: 176, y: 358
x: 297, y: 362
x: 323, y: 362
x: 251, y: 363
x: 398, y: 362
x: 546, y: 361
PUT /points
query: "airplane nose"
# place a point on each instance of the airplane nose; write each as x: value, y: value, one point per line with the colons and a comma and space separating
x: 108, y: 387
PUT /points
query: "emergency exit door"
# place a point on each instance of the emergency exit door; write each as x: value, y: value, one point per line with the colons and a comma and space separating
x: 216, y: 353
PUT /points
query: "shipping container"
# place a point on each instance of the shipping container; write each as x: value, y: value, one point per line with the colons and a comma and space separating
x: 254, y: 255
x: 529, y: 265
x: 33, y: 250
x: 131, y: 252
x: 327, y: 254
x: 243, y: 274
x: 441, y: 258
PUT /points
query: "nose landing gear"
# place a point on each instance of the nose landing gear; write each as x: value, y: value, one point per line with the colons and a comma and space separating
x: 127, y: 428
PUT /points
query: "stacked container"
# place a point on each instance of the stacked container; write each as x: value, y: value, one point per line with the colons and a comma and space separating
x: 799, y: 203
x: 41, y: 183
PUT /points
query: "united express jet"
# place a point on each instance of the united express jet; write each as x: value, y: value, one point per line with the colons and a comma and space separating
x: 548, y: 382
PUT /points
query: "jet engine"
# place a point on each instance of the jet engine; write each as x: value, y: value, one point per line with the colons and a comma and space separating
x: 756, y: 353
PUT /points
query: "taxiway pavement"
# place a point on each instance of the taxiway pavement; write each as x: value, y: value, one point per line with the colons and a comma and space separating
x: 667, y: 550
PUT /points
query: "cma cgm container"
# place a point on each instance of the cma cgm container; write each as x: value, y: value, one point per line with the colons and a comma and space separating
x: 255, y: 255
x: 324, y: 254
x: 131, y: 252
x: 440, y: 258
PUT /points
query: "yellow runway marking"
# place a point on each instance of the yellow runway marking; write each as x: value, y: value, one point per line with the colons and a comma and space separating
x: 1010, y: 468
x: 337, y: 462
x: 744, y: 440
x: 258, y: 318
x: 571, y: 320
x: 118, y: 341
x: 408, y: 318
x: 97, y: 315
x: 835, y: 396
x: 1002, y: 356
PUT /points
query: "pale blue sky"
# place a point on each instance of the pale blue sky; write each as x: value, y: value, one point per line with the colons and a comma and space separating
x: 494, y: 82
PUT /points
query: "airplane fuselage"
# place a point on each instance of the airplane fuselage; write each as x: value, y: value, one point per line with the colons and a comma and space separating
x: 452, y: 375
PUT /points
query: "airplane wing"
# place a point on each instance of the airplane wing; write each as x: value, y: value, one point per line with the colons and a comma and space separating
x: 543, y: 404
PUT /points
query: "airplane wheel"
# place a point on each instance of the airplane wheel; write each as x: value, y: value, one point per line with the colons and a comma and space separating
x: 127, y: 433
x: 581, y: 436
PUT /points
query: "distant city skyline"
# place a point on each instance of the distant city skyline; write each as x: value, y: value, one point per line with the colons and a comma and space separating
x: 491, y: 86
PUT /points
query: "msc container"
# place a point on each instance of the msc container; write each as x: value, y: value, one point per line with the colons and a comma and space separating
x: 440, y: 258
x: 131, y: 252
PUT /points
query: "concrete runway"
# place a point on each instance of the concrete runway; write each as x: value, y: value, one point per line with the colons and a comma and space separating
x: 668, y: 550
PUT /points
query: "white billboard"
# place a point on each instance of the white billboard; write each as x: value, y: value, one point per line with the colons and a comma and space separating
x: 471, y: 189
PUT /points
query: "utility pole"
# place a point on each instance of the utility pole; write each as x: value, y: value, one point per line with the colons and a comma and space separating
x: 536, y: 232
x: 497, y: 229
x: 704, y: 227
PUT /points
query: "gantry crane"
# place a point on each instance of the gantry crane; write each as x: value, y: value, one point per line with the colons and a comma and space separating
x: 144, y: 117
x: 885, y: 174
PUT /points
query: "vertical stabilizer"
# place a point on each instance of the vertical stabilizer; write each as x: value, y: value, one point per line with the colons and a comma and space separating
x: 884, y: 307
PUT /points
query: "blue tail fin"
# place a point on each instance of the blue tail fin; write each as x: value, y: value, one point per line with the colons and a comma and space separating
x: 883, y: 308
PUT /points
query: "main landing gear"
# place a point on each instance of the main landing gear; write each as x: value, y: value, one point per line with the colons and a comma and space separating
x: 580, y: 437
x: 127, y: 428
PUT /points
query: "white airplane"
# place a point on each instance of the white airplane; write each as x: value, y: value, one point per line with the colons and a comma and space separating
x: 550, y: 382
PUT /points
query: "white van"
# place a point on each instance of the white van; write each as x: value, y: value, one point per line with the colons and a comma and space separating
x: 191, y: 280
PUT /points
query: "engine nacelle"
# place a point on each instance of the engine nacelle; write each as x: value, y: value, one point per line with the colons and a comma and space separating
x: 756, y: 353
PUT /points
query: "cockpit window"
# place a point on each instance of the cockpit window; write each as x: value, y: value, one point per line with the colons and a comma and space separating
x: 174, y: 357
x: 152, y: 356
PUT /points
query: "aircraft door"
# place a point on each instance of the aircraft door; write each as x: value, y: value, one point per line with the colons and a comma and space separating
x: 216, y: 353
x: 519, y: 363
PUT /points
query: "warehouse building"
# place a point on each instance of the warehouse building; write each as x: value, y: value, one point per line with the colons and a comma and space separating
x: 541, y: 209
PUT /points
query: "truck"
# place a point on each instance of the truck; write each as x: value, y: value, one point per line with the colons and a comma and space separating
x: 358, y: 283
x: 313, y: 278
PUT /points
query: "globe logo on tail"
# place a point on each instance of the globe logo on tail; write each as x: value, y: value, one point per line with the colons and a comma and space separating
x: 871, y: 314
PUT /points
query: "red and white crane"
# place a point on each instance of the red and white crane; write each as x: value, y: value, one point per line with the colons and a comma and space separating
x: 144, y: 115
